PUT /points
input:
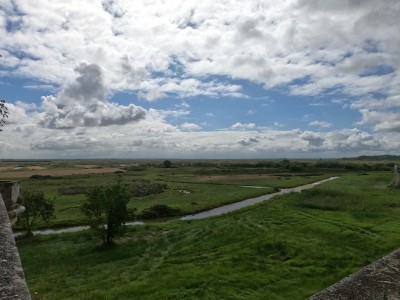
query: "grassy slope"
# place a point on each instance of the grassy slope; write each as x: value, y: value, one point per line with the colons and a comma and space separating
x: 288, y: 248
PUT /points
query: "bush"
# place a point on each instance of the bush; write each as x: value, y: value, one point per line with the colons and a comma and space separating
x: 159, y: 211
x: 144, y: 188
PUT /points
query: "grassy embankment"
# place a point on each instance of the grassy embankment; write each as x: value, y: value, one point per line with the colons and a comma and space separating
x: 287, y: 248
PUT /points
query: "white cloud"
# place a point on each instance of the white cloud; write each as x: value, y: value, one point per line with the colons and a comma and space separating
x: 247, y: 141
x: 92, y: 49
x: 190, y: 126
x: 313, y: 139
x: 272, y: 43
x: 241, y: 126
x: 83, y: 102
x: 322, y: 124
x: 381, y: 120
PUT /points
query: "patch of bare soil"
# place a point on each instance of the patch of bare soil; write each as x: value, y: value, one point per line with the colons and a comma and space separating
x: 35, y: 168
x: 57, y: 172
x: 86, y: 166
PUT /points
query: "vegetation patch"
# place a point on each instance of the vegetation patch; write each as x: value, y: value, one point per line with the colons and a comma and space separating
x: 37, y: 176
x: 330, y: 200
x: 159, y: 211
x: 145, y: 188
x: 75, y: 190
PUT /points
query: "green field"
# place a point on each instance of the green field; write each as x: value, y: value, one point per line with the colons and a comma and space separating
x: 287, y: 248
x: 205, y: 187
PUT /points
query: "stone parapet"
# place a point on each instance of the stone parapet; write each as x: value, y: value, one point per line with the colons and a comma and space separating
x: 379, y: 280
x: 10, y: 192
x: 12, y: 279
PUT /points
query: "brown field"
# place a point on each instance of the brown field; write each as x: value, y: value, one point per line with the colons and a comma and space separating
x: 58, y: 172
x: 36, y: 168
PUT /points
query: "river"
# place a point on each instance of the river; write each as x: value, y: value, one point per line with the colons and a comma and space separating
x: 205, y: 214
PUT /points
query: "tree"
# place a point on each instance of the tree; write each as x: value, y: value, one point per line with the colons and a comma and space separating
x: 3, y: 112
x: 167, y: 164
x: 106, y: 209
x: 37, y: 208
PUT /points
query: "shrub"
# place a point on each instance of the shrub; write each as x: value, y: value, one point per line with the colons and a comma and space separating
x: 144, y: 188
x: 159, y: 211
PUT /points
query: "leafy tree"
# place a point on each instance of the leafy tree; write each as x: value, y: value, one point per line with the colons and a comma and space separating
x: 106, y: 208
x: 37, y: 208
x: 167, y: 164
x: 3, y: 112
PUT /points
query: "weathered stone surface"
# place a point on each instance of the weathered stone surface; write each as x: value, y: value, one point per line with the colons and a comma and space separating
x: 379, y: 280
x: 12, y: 279
x: 397, y: 176
x: 10, y: 192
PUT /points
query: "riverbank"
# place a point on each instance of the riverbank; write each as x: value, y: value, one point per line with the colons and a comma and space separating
x: 205, y: 214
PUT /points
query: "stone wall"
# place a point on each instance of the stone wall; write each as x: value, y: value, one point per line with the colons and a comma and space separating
x: 12, y: 279
x: 377, y: 281
x: 397, y: 176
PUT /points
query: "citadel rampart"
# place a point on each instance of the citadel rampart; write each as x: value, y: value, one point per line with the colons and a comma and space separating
x: 12, y: 279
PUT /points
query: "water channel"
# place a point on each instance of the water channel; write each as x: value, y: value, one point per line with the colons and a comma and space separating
x: 205, y: 214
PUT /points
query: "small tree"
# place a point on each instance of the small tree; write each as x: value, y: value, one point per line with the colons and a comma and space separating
x: 106, y: 208
x: 167, y: 164
x: 3, y: 112
x: 37, y: 208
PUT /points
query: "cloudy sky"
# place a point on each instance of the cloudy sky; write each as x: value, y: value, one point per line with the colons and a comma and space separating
x: 200, y: 79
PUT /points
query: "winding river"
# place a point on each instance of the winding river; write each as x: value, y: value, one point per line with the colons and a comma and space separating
x: 205, y: 214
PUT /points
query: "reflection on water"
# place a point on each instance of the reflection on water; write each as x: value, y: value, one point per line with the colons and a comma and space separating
x: 205, y: 214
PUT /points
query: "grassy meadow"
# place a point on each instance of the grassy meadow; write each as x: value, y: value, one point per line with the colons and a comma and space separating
x: 288, y: 248
x: 188, y: 187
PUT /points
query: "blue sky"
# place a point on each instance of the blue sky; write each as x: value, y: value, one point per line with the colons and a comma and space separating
x: 209, y: 79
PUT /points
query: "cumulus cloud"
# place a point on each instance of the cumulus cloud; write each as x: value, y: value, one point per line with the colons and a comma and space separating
x: 322, y: 124
x: 242, y: 126
x: 190, y: 126
x: 382, y: 114
x: 155, y: 50
x: 83, y: 102
x: 381, y: 120
x: 313, y: 139
x: 247, y: 141
x: 348, y: 140
x: 273, y: 43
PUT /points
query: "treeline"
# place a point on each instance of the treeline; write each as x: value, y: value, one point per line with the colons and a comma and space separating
x: 285, y: 165
x: 376, y: 158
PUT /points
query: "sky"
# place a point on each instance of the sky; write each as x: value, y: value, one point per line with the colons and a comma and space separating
x: 208, y: 79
